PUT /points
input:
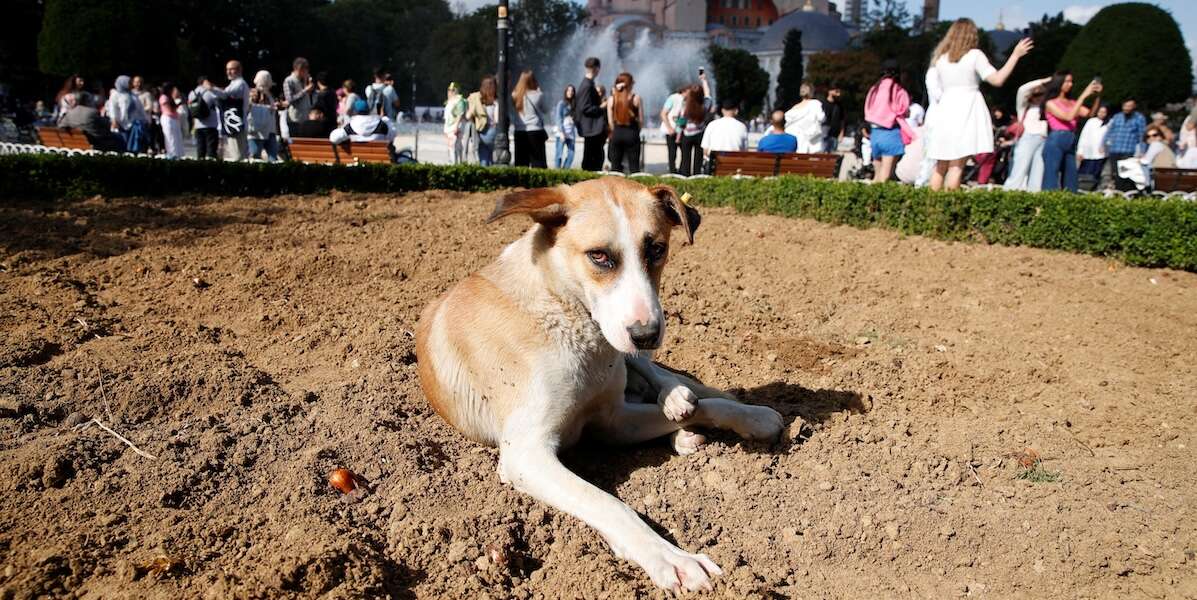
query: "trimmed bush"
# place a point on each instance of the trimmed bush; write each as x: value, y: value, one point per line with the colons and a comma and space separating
x: 1146, y: 231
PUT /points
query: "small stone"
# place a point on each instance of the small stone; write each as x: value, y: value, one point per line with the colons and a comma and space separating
x: 941, y: 348
x: 1038, y: 566
x: 482, y: 563
x: 457, y: 552
x: 651, y: 500
x: 863, y: 341
x: 771, y: 357
x: 826, y: 486
x: 891, y: 531
x: 947, y: 531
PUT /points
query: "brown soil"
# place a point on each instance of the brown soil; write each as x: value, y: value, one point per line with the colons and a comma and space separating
x: 255, y: 345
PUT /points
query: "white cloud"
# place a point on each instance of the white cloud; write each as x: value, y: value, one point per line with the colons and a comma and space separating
x: 1080, y: 14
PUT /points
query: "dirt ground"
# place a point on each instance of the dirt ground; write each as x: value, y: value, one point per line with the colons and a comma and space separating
x: 251, y: 346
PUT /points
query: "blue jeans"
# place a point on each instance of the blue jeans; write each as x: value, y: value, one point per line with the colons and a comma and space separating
x: 568, y: 144
x: 1059, y: 161
x: 1026, y: 170
x: 270, y: 145
x: 485, y: 153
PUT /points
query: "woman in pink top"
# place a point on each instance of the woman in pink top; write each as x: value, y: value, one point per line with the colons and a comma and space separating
x: 886, y: 108
x: 172, y: 127
x: 1059, y: 151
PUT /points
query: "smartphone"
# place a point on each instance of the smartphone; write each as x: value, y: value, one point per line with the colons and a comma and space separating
x: 702, y: 70
x: 1097, y: 78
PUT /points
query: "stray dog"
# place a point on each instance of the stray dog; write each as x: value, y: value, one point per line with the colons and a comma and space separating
x: 553, y: 339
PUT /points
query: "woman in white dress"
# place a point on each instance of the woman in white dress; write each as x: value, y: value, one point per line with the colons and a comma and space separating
x: 959, y: 68
x: 1090, y: 152
x: 805, y: 121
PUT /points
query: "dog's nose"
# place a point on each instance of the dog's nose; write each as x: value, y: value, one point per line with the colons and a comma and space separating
x: 645, y: 337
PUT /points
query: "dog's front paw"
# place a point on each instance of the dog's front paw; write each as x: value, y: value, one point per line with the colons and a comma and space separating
x: 758, y: 423
x: 678, y: 402
x: 674, y: 569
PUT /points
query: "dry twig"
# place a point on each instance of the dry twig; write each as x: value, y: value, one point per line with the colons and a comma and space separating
x: 120, y: 437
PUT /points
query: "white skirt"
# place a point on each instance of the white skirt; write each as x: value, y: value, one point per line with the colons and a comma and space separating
x: 960, y: 124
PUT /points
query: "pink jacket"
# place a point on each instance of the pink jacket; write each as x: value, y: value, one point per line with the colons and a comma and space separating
x: 880, y: 110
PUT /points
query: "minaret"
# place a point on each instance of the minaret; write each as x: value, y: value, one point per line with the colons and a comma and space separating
x: 930, y: 14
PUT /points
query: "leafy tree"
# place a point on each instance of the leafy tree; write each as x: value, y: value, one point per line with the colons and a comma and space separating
x: 739, y: 76
x: 18, y: 45
x: 107, y: 38
x: 1138, y: 51
x: 789, y: 78
x: 539, y: 28
x: 854, y: 71
x: 1052, y: 35
x: 888, y: 14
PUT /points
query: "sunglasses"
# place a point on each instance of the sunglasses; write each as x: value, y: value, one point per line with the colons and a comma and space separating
x: 1153, y: 135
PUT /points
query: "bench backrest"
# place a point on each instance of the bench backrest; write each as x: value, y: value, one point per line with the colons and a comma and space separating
x: 313, y: 150
x: 364, y: 152
x: 1175, y: 180
x: 63, y: 138
x: 765, y: 164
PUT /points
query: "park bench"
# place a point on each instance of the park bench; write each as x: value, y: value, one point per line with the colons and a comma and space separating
x: 1175, y: 180
x: 767, y: 164
x: 322, y: 151
x: 53, y: 137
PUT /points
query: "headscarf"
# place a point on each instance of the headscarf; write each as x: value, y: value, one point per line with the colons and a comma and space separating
x: 263, y: 81
x: 122, y: 84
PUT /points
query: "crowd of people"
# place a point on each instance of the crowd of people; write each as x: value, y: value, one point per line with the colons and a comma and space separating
x: 1054, y: 138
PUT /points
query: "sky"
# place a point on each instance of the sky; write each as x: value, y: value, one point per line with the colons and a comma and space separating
x: 1016, y: 14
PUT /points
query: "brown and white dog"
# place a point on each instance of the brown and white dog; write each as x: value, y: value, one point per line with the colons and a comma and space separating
x: 553, y: 339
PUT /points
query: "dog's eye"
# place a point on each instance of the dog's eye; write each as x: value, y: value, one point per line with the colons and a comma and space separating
x: 657, y: 251
x: 601, y: 259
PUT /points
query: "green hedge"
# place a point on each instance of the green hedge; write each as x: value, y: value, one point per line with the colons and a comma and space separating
x: 1144, y: 231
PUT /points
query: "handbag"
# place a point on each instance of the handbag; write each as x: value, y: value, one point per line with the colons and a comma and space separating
x: 1016, y: 129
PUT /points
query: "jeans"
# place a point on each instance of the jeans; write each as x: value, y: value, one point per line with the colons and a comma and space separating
x: 691, y: 155
x: 1059, y: 161
x: 831, y: 143
x: 568, y: 145
x: 270, y: 145
x: 1026, y: 172
x: 206, y: 141
x: 485, y: 153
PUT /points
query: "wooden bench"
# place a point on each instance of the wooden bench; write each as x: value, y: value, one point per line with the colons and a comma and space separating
x: 767, y: 164
x: 1175, y: 180
x: 54, y: 137
x: 322, y: 151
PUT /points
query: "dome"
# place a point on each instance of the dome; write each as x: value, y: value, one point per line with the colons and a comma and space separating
x: 820, y: 33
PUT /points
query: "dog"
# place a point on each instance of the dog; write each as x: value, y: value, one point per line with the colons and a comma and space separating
x: 554, y: 339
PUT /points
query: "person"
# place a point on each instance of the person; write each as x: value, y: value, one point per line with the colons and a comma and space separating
x: 805, y: 121
x: 1123, y: 133
x: 697, y: 106
x: 1160, y: 120
x: 298, y: 92
x: 960, y: 124
x: 528, y: 122
x: 313, y: 126
x: 381, y: 97
x: 455, y: 109
x: 1158, y: 154
x: 204, y: 110
x: 327, y: 101
x: 1090, y: 152
x: 833, y: 121
x: 886, y: 106
x: 725, y: 134
x: 777, y: 140
x: 1188, y: 142
x: 590, y: 117
x: 363, y: 125
x: 149, y: 104
x: 128, y: 117
x: 623, y: 121
x: 347, y: 98
x: 392, y: 93
x: 910, y: 165
x: 566, y: 133
x: 482, y: 111
x: 671, y: 120
x: 988, y: 163
x: 86, y: 118
x: 172, y: 126
x: 1061, y: 114
x: 74, y: 88
x: 234, y: 110
x: 1026, y: 170
x: 262, y: 128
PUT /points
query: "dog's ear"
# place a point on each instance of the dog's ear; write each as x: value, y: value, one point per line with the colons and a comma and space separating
x: 545, y: 205
x: 680, y: 213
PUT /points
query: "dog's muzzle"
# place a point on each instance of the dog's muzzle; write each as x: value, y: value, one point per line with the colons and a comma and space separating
x: 645, y: 337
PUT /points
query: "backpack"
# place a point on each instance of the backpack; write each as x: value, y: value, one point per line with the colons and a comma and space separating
x: 197, y: 108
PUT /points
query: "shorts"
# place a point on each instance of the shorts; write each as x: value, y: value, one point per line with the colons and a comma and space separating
x: 886, y: 142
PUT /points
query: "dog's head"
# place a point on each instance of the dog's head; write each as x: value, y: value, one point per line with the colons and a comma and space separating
x: 605, y: 242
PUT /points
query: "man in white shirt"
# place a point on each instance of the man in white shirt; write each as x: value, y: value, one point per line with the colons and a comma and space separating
x: 726, y: 134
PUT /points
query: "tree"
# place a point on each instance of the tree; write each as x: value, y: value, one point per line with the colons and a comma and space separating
x: 539, y: 28
x: 1138, y: 51
x: 789, y: 78
x: 888, y: 14
x: 107, y: 38
x: 1052, y: 35
x: 854, y: 71
x: 739, y: 77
